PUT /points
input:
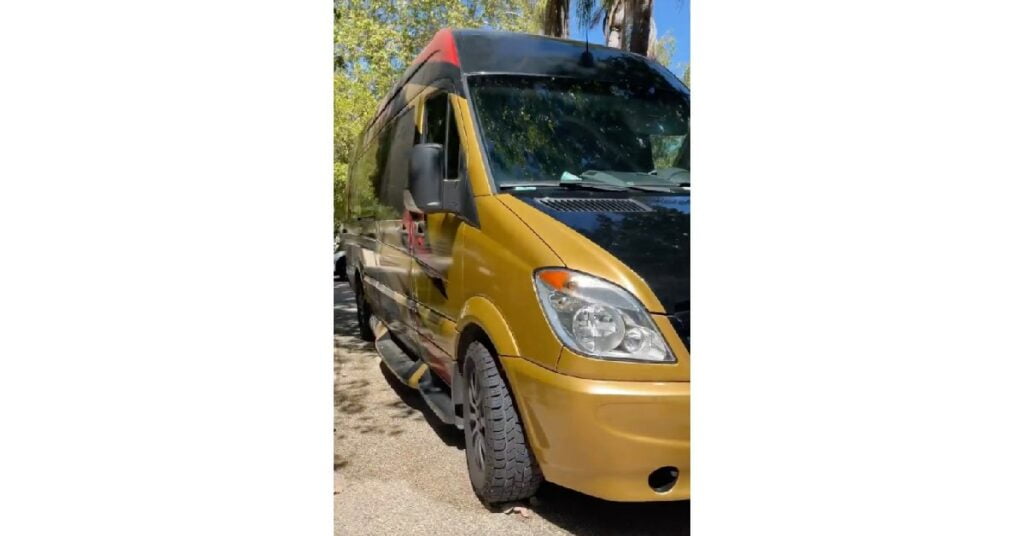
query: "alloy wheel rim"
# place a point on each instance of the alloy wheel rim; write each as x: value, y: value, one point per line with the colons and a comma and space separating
x: 476, y: 428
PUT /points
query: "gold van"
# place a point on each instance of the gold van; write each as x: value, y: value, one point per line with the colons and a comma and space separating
x: 517, y: 238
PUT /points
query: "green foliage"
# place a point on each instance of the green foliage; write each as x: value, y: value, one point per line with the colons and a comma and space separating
x: 663, y: 48
x: 374, y: 41
x: 662, y: 51
x: 589, y: 13
x: 665, y: 150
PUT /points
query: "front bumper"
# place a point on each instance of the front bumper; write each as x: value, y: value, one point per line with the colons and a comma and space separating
x: 604, y: 438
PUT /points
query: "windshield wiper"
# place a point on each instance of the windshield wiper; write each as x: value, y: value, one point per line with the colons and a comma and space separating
x: 628, y: 180
x: 575, y: 185
x: 662, y: 187
x: 674, y: 177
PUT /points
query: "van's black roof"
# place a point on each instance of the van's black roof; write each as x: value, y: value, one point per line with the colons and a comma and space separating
x: 489, y: 51
x: 450, y: 54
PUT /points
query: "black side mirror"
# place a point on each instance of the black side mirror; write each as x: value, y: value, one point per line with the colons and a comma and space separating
x: 426, y: 173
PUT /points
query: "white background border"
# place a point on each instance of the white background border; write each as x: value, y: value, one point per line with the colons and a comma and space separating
x: 165, y: 212
x: 165, y: 303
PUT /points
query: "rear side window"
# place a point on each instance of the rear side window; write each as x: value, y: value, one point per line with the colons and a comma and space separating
x: 396, y: 174
x: 364, y: 181
x: 380, y: 173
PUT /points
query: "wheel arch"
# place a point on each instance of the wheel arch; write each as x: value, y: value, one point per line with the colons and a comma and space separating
x: 481, y: 320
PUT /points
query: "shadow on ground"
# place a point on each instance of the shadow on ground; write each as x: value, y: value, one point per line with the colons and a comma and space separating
x: 585, y: 515
x: 570, y: 510
x: 411, y: 401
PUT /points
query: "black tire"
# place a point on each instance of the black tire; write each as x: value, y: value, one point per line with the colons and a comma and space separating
x: 501, y: 466
x: 363, y: 312
x: 339, y: 268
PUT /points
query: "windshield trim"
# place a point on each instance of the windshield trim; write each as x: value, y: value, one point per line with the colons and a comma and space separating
x: 478, y: 131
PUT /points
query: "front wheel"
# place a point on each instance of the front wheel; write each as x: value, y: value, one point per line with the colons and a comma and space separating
x: 501, y: 466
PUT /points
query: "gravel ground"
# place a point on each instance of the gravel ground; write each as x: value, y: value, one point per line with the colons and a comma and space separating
x: 399, y: 470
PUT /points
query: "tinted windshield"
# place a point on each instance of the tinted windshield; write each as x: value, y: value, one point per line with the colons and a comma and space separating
x: 540, y: 128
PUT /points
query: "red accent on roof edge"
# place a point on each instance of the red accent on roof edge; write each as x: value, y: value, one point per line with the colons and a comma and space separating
x: 443, y: 43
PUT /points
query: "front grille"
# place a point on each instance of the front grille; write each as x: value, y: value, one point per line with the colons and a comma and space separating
x: 565, y: 204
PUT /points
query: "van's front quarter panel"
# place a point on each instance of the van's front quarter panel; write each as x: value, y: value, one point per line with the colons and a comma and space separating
x: 498, y: 261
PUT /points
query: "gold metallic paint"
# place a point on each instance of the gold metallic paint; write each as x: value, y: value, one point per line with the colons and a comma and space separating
x: 604, y: 438
x: 483, y: 313
x: 504, y: 276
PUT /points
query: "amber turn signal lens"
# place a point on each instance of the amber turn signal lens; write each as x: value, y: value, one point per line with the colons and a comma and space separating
x: 557, y: 279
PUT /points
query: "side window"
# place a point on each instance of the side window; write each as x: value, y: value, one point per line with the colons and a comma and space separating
x: 365, y: 179
x: 382, y: 148
x: 401, y: 138
x: 381, y: 171
x: 440, y: 127
x: 434, y: 122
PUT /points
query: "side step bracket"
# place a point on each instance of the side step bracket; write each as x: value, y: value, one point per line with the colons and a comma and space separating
x: 416, y: 374
x: 404, y: 368
x: 439, y: 399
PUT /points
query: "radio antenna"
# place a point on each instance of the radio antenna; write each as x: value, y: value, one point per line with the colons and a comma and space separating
x: 587, y: 59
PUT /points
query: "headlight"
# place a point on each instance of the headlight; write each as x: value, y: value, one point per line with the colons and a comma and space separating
x: 598, y: 319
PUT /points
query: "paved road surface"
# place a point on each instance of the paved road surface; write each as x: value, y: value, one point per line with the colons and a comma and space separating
x: 398, y: 470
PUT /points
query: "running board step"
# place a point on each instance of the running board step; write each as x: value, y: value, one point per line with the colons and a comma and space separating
x: 377, y: 327
x: 398, y: 361
x: 438, y: 398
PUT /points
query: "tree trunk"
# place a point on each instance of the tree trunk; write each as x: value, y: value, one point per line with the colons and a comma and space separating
x: 613, y: 24
x: 556, y: 18
x: 638, y: 22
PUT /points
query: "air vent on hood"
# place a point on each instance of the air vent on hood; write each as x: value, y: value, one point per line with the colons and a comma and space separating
x: 566, y: 204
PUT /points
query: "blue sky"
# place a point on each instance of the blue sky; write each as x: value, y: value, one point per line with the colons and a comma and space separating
x: 669, y: 16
